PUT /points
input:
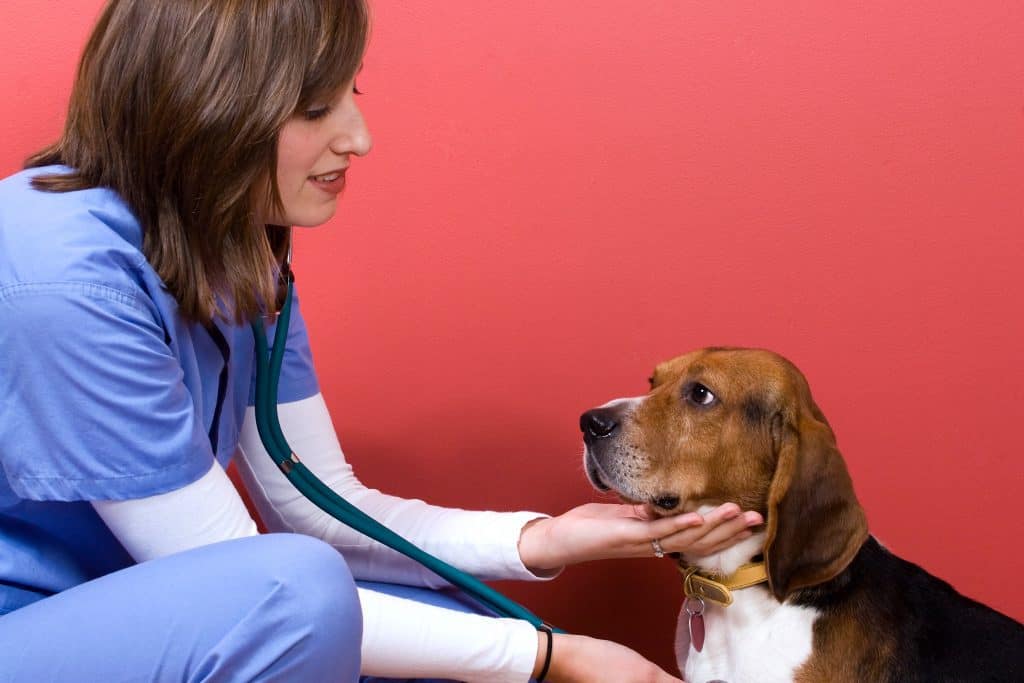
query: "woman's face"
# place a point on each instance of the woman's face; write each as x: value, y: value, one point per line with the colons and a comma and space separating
x: 314, y: 149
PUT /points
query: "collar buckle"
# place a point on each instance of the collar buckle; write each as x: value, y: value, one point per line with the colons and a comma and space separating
x: 697, y: 584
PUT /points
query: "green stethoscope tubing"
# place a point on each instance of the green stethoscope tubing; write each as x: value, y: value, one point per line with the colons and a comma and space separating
x: 268, y: 374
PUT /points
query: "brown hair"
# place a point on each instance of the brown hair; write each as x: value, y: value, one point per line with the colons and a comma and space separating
x: 177, y: 107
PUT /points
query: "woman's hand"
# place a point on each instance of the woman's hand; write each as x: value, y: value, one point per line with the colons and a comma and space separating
x: 579, y: 659
x: 597, y: 531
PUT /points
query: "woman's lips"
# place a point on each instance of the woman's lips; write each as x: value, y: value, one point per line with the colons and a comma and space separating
x: 331, y: 183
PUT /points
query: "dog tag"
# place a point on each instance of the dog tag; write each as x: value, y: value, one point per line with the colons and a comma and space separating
x: 695, y: 620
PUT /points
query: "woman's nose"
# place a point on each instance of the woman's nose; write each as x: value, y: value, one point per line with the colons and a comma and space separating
x: 355, y: 138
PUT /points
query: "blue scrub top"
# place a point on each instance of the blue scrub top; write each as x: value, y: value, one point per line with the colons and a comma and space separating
x: 107, y: 393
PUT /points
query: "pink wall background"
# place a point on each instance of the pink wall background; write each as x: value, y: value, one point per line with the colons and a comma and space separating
x: 561, y: 197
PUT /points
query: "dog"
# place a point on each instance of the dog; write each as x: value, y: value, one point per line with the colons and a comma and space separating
x: 827, y: 601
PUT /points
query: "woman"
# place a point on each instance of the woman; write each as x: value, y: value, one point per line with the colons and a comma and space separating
x: 133, y: 254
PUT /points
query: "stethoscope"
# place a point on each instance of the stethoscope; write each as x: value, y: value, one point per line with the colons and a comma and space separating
x: 268, y: 374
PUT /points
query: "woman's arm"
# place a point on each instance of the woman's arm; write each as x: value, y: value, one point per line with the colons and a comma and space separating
x: 484, y: 544
x: 401, y: 637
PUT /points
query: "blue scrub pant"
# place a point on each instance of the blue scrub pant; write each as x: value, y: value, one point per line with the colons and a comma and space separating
x: 277, y: 607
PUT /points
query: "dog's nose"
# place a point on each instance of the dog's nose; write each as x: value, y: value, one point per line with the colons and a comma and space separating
x: 598, y: 423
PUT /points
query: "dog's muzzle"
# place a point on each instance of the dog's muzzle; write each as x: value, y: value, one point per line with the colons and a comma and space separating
x: 610, y: 463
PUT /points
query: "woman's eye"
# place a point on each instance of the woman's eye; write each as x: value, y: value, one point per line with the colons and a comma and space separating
x: 701, y: 395
x: 316, y: 113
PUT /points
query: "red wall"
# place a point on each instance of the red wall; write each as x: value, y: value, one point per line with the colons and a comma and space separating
x: 559, y: 198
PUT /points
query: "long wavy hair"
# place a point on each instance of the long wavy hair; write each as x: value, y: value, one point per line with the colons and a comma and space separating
x: 177, y: 107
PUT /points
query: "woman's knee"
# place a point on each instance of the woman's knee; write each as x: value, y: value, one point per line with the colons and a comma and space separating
x: 314, y: 575
x: 317, y: 593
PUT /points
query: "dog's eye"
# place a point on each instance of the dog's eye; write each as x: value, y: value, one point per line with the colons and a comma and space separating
x: 699, y: 394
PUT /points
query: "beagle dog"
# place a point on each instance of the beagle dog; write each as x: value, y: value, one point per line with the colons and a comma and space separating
x: 810, y: 596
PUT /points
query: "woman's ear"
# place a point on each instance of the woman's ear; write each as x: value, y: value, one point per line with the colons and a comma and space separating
x: 815, y: 526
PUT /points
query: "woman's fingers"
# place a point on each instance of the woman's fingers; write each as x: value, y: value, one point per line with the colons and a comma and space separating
x: 667, y: 526
x: 747, y: 533
x: 722, y: 527
x: 724, y: 533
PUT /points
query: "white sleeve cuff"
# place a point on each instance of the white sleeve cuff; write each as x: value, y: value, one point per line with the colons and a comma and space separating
x: 507, y: 527
x: 407, y: 639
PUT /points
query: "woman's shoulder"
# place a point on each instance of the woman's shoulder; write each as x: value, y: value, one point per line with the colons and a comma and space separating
x: 86, y: 235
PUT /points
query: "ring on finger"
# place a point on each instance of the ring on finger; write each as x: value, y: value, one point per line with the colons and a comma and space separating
x: 659, y: 552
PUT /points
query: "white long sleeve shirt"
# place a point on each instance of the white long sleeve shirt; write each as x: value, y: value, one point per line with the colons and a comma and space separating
x: 401, y: 638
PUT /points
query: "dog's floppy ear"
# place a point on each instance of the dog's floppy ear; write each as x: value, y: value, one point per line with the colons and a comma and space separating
x: 815, y: 526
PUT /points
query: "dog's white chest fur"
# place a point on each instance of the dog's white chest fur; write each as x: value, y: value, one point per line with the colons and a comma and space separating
x: 754, y: 640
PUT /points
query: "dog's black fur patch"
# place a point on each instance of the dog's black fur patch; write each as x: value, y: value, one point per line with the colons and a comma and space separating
x: 940, y: 636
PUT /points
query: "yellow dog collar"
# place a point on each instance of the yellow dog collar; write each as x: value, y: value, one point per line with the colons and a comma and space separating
x: 709, y: 586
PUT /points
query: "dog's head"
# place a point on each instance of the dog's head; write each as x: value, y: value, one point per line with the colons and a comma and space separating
x: 734, y: 425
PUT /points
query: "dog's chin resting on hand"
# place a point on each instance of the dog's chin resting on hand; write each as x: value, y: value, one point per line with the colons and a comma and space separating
x: 834, y: 606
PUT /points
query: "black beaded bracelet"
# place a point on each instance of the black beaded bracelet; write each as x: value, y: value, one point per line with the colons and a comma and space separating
x: 547, y: 657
